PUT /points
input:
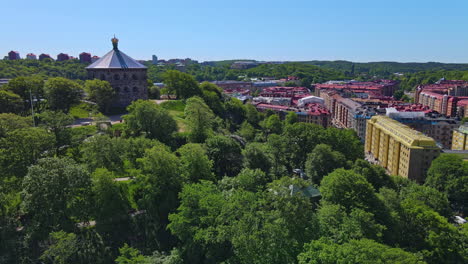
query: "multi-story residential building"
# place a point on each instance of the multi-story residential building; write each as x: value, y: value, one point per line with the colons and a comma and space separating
x: 460, y: 138
x: 13, y: 55
x: 31, y: 56
x: 443, y: 96
x: 368, y: 89
x: 63, y: 57
x: 85, y: 57
x: 44, y: 56
x: 433, y: 125
x: 398, y: 148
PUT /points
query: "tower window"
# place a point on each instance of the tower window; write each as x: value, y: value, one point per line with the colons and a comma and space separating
x: 126, y: 89
x: 125, y: 77
x: 103, y: 77
x: 135, y: 89
x: 134, y: 77
x: 116, y: 77
x: 117, y: 89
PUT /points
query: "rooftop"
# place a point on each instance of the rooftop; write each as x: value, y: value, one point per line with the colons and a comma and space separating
x: 115, y: 59
x: 403, y: 133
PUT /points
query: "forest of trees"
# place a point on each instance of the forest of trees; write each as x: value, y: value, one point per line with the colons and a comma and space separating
x: 207, y: 179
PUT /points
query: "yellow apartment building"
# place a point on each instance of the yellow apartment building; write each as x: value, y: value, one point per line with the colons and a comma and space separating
x: 398, y: 148
x: 460, y: 139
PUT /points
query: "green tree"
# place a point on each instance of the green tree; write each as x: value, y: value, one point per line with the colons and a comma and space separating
x: 374, y: 174
x: 256, y: 156
x: 226, y: 155
x: 338, y: 225
x: 10, y: 102
x: 129, y: 255
x: 348, y: 189
x: 273, y: 125
x: 101, y: 93
x: 200, y: 119
x: 252, y: 115
x: 62, y: 93
x: 449, y: 174
x: 57, y: 122
x: 151, y: 120
x: 110, y: 208
x: 247, y: 179
x: 323, y: 160
x: 157, y: 189
x: 291, y: 118
x: 195, y: 164
x: 235, y: 113
x: 10, y: 122
x: 63, y: 248
x: 247, y: 131
x: 55, y: 194
x: 22, y: 148
x: 212, y: 95
x: 183, y: 84
x: 23, y: 85
x: 363, y: 251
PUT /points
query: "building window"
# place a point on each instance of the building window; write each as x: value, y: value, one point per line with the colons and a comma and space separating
x: 134, y: 77
x: 135, y: 89
x: 117, y: 89
x: 103, y: 77
x: 126, y: 89
x: 116, y: 77
x: 125, y: 77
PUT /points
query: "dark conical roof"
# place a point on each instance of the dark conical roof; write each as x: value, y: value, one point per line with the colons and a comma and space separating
x: 115, y: 59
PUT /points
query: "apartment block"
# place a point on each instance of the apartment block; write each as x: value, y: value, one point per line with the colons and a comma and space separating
x: 460, y: 138
x: 398, y: 148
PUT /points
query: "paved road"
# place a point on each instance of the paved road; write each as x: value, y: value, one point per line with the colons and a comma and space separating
x: 115, y: 119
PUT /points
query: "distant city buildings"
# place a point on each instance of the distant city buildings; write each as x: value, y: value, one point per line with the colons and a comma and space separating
x: 85, y: 57
x: 13, y: 55
x: 62, y: 57
x: 449, y: 98
x: 44, y: 56
x: 398, y: 148
x: 282, y: 100
x: 368, y: 89
x: 155, y: 60
x: 31, y: 56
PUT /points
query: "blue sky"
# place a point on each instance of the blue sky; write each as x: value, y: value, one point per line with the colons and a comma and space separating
x: 360, y: 30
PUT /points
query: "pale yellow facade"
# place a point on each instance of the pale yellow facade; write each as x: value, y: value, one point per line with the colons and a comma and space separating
x: 460, y: 138
x: 399, y: 149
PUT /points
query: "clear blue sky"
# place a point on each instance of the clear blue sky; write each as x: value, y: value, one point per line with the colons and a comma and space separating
x: 361, y: 30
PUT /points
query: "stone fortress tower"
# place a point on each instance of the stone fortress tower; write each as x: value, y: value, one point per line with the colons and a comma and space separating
x: 126, y: 76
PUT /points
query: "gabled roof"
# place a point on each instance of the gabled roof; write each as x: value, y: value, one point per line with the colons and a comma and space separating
x: 115, y: 59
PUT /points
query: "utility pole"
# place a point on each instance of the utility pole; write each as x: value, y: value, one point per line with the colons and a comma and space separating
x: 32, y: 108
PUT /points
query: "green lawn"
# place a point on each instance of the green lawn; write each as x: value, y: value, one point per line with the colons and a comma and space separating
x: 176, y: 110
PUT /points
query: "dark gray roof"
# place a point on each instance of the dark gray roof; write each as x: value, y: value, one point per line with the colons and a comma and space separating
x: 115, y: 59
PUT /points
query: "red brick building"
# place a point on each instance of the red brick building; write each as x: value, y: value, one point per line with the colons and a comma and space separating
x: 85, y: 57
x: 63, y: 57
x: 13, y: 55
x: 44, y: 56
